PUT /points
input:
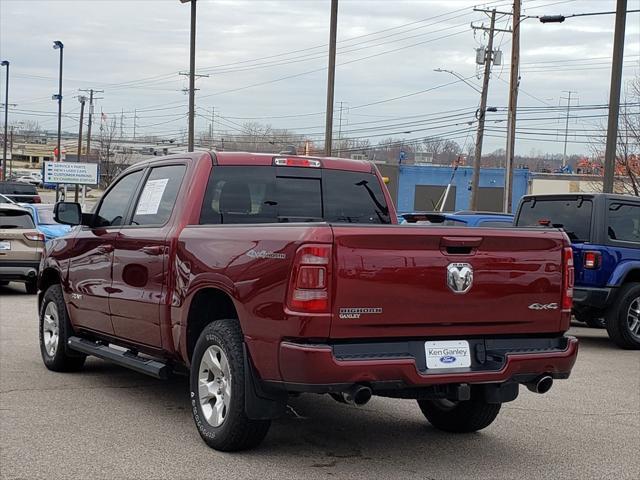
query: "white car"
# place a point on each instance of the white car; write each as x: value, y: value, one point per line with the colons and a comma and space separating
x: 29, y: 179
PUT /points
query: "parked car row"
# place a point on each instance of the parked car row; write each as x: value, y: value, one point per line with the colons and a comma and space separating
x: 24, y: 229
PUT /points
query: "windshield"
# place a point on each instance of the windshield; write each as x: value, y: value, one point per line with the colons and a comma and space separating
x: 45, y: 215
x: 572, y: 214
x: 15, y: 219
x: 291, y: 194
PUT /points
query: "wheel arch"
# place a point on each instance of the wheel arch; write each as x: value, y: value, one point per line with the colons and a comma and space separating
x: 625, y: 272
x: 207, y: 305
x: 49, y: 276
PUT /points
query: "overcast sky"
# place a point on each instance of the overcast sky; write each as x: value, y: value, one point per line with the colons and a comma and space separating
x: 134, y: 50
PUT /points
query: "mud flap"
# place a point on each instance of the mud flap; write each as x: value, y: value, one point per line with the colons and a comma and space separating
x: 260, y: 404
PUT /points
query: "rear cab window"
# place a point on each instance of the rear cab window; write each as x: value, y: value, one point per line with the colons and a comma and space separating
x: 10, y: 219
x: 572, y: 214
x: 270, y: 194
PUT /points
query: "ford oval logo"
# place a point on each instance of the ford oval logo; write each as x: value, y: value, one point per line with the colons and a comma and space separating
x: 447, y: 359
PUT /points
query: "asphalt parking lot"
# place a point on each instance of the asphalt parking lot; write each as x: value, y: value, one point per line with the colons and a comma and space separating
x: 108, y: 422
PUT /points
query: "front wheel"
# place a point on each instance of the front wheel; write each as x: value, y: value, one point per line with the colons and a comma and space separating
x: 459, y: 416
x: 217, y: 390
x: 623, y: 318
x: 55, y: 330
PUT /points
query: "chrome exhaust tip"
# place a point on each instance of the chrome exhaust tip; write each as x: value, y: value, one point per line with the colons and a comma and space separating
x: 541, y: 385
x: 357, y: 395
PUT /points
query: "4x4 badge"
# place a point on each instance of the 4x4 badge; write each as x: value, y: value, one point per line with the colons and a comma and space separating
x: 459, y: 277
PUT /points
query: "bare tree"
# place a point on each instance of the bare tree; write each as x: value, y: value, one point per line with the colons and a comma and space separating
x: 111, y: 162
x: 627, y: 167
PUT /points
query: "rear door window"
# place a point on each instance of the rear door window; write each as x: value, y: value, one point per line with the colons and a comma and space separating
x: 159, y: 195
x: 623, y: 223
x: 289, y: 194
x: 15, y: 219
x: 573, y: 215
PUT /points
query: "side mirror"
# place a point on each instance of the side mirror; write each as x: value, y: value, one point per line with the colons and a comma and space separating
x: 68, y: 213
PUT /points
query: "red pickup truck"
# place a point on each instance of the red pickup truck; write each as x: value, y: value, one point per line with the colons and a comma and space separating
x: 265, y: 276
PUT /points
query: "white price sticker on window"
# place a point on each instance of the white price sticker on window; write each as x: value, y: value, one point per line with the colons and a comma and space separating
x: 151, y: 197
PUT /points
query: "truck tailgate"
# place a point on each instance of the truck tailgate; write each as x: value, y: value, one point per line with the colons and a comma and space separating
x: 393, y: 281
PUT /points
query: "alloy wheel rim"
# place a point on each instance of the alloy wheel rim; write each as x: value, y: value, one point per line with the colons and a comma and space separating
x: 214, y: 386
x: 633, y: 318
x: 51, y: 329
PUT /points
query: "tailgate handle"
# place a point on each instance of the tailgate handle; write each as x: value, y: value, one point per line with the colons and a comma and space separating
x: 459, y: 245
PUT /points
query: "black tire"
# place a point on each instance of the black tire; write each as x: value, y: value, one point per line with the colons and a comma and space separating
x: 620, y: 320
x: 31, y: 286
x: 236, y: 432
x: 459, y: 417
x: 4, y: 283
x: 61, y: 360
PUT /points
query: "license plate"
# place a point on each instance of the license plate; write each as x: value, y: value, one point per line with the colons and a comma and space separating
x: 5, y: 245
x: 448, y: 354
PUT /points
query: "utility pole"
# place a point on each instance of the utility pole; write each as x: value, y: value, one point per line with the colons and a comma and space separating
x: 121, y: 124
x: 5, y: 140
x: 213, y: 117
x: 475, y: 182
x: 340, y: 132
x: 192, y: 76
x: 91, y: 99
x: 514, y: 82
x: 566, y: 127
x: 135, y: 122
x: 192, y: 89
x: 82, y: 99
x: 614, y: 97
x: 328, y: 132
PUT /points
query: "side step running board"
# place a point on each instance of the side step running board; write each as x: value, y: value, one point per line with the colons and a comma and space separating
x: 123, y: 358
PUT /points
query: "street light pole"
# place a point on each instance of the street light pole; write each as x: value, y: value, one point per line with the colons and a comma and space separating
x: 328, y: 132
x: 5, y: 63
x: 58, y: 45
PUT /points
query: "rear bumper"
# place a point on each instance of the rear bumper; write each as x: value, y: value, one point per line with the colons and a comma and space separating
x: 592, y: 298
x: 19, y: 271
x: 402, y: 365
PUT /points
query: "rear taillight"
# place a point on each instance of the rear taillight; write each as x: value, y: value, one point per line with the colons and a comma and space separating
x: 567, y: 278
x: 309, y: 283
x: 34, y: 237
x: 592, y: 260
x: 37, y: 199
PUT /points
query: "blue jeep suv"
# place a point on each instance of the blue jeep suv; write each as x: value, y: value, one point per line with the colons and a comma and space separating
x: 605, y: 234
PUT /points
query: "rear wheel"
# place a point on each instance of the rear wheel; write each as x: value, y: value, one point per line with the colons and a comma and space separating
x: 55, y: 329
x: 217, y: 390
x: 459, y: 416
x: 623, y: 318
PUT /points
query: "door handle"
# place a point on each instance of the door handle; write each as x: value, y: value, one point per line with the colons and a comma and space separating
x: 108, y: 248
x: 460, y: 241
x: 153, y: 249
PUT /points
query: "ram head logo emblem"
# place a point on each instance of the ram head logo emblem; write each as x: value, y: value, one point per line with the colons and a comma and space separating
x: 459, y: 277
